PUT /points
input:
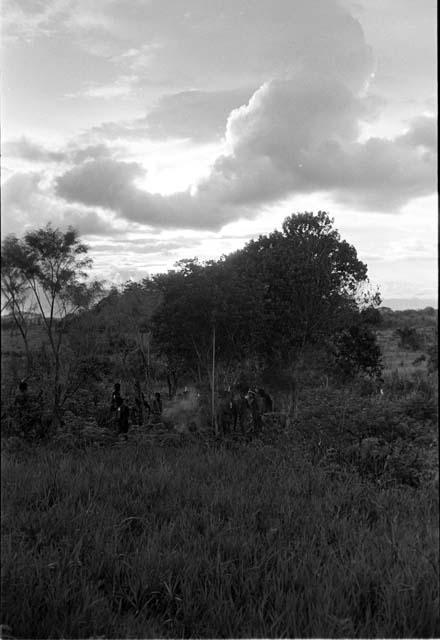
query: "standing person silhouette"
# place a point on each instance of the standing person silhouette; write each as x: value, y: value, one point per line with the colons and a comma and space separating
x: 156, y: 408
x: 115, y: 395
x: 143, y: 408
x: 122, y: 413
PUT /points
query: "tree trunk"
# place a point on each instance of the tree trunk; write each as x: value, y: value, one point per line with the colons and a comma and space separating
x: 293, y: 392
x: 28, y: 358
x: 23, y: 329
x: 295, y: 398
x: 56, y: 410
x: 214, y: 421
x: 292, y: 399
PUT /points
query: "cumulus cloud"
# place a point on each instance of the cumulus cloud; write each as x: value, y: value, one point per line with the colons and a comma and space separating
x: 422, y: 132
x: 197, y: 115
x: 201, y: 43
x: 91, y: 152
x: 111, y: 184
x: 19, y: 189
x: 75, y: 152
x: 214, y: 45
x: 26, y: 198
x: 298, y: 134
x: 32, y: 151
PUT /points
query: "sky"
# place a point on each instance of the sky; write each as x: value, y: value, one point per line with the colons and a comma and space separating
x: 169, y: 129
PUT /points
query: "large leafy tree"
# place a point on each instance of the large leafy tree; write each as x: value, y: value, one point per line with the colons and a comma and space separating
x: 50, y: 268
x: 311, y: 280
x: 205, y: 308
x: 184, y: 322
x: 272, y: 300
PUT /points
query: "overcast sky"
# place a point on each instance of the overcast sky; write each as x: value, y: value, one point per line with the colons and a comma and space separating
x: 165, y: 129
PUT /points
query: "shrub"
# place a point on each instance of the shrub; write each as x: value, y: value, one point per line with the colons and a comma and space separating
x: 78, y: 432
x: 433, y: 354
x: 377, y: 436
x: 409, y: 338
x: 28, y: 420
x: 420, y: 406
x: 356, y: 351
x: 397, y: 384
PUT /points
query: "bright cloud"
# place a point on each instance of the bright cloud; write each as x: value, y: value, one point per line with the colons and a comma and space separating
x: 164, y: 116
x: 296, y: 135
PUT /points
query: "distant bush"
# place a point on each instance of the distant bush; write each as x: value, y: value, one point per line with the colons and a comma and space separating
x: 380, y: 436
x: 355, y: 350
x: 29, y: 421
x: 432, y: 351
x: 77, y: 432
x: 398, y: 385
x: 420, y: 406
x: 409, y: 338
x: 417, y: 318
x: 371, y: 316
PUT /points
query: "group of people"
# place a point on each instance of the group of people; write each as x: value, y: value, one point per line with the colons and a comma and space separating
x: 241, y: 408
x: 141, y: 410
x: 237, y: 409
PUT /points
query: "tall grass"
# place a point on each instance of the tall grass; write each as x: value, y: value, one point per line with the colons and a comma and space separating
x: 209, y: 541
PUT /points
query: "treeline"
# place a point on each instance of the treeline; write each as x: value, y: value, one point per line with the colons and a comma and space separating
x: 286, y: 306
x: 417, y: 318
x: 266, y: 306
x: 289, y: 302
x: 414, y: 330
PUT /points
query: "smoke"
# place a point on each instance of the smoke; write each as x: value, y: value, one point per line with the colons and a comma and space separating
x: 183, y: 411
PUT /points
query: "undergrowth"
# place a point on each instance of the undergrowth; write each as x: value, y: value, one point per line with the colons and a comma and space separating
x: 253, y: 540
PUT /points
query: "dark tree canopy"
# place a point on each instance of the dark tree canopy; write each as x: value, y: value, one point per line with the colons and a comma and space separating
x: 356, y: 351
x: 310, y: 279
x: 197, y: 298
x: 270, y: 300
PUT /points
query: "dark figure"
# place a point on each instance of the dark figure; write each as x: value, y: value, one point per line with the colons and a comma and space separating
x: 142, y: 405
x: 172, y: 383
x: 122, y: 413
x: 267, y: 401
x: 115, y: 396
x: 156, y: 408
x: 256, y: 406
x: 240, y: 409
x: 21, y: 409
x: 21, y: 399
x: 224, y: 412
x: 147, y: 407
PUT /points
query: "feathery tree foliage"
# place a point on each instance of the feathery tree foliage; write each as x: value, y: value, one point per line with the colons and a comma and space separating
x: 47, y: 271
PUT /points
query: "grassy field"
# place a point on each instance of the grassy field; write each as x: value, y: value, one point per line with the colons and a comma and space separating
x: 209, y: 541
x: 304, y: 533
x: 395, y: 358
